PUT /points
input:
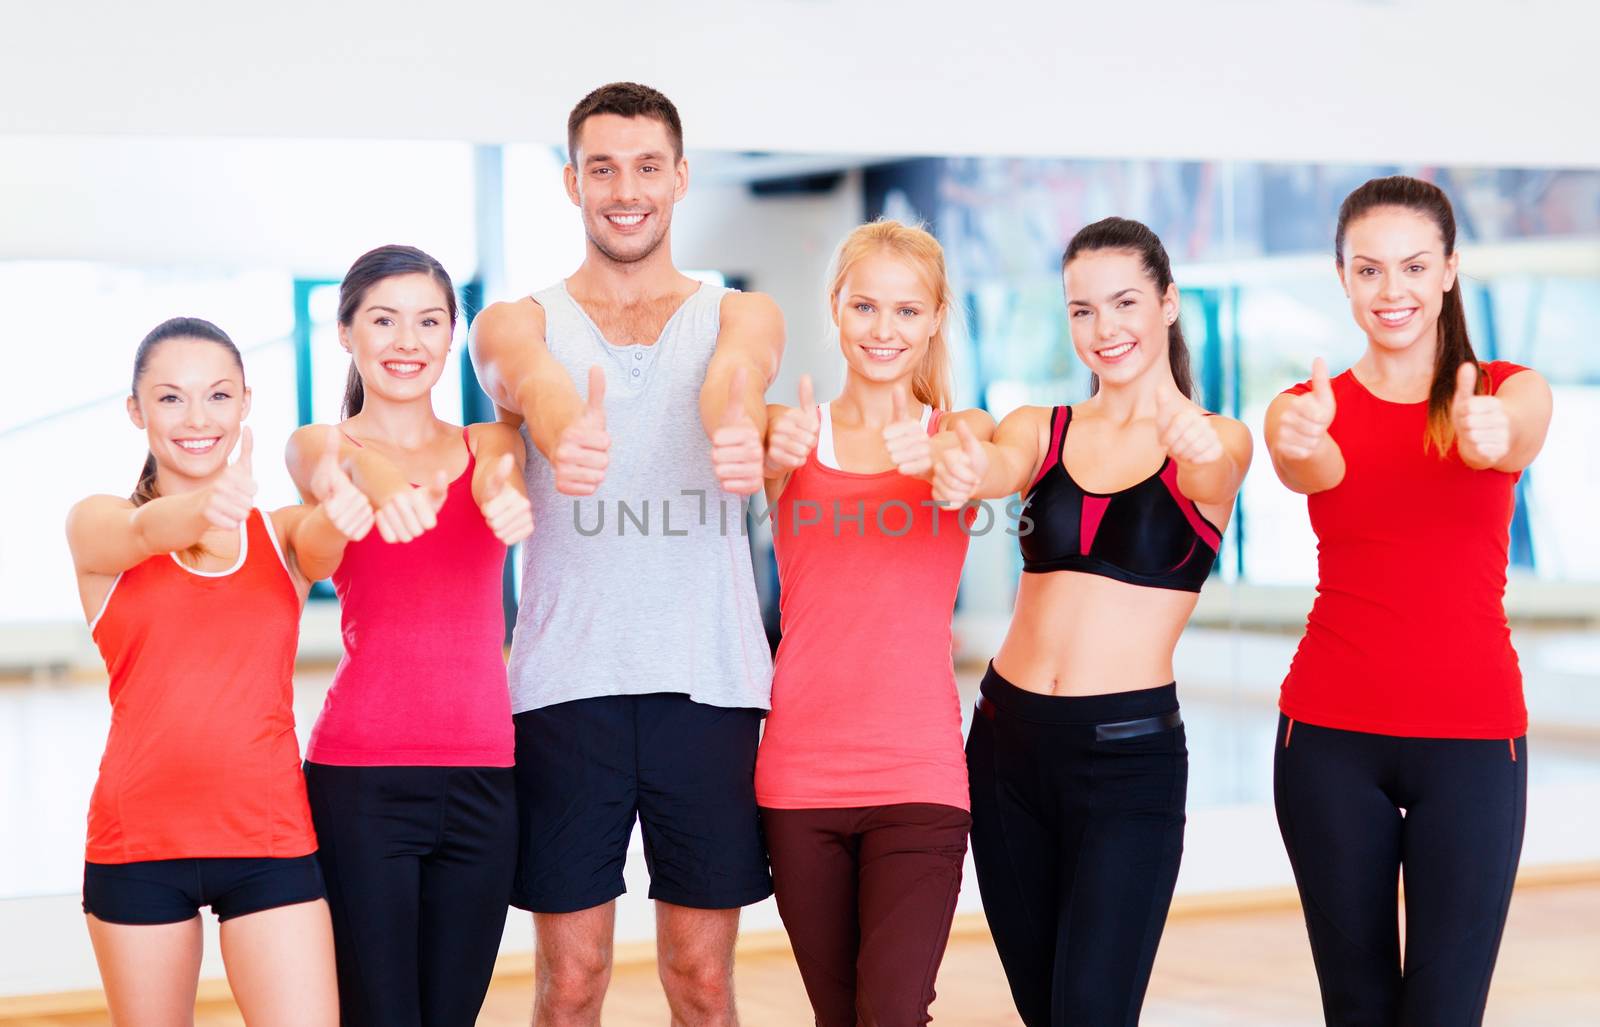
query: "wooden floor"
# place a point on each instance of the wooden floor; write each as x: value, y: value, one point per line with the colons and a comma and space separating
x: 1237, y: 969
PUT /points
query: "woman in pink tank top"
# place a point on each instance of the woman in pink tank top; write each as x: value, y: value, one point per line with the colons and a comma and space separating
x: 409, y: 765
x: 860, y: 775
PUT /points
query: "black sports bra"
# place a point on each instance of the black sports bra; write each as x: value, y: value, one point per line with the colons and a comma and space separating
x: 1148, y: 534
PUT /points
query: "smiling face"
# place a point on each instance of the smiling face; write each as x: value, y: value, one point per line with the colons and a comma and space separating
x: 399, y: 337
x: 1396, y: 273
x: 190, y: 400
x: 887, y: 314
x: 1117, y: 315
x: 625, y: 178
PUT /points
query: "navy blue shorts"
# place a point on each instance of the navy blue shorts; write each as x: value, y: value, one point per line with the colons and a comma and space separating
x: 586, y: 769
x: 170, y: 891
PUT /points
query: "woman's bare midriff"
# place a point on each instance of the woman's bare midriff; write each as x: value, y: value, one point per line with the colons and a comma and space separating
x: 1083, y: 634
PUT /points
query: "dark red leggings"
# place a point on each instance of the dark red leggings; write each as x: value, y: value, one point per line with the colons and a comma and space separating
x: 867, y: 895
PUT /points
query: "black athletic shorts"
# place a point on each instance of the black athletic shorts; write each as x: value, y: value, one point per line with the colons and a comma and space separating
x: 587, y: 768
x: 170, y: 891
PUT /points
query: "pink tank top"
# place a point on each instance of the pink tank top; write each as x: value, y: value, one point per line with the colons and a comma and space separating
x: 423, y: 677
x: 864, y: 703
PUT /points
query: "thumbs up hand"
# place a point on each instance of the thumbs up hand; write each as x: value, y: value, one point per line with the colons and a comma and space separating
x: 1482, y: 426
x: 1185, y: 430
x: 583, y: 448
x: 1305, y: 420
x: 736, y: 453
x: 794, y: 435
x: 908, y: 442
x: 410, y: 512
x: 959, y: 470
x: 233, y: 493
x: 345, y: 505
x: 505, y: 509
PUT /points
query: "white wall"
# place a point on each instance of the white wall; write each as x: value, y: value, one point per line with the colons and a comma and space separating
x: 1349, y: 80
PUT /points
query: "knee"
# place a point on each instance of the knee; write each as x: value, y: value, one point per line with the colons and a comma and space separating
x: 704, y: 985
x: 573, y: 983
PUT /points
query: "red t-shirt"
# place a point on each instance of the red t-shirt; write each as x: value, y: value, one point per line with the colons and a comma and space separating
x: 864, y: 704
x: 1408, y: 635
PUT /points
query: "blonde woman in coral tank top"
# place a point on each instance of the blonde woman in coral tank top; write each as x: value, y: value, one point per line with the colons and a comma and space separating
x: 860, y: 775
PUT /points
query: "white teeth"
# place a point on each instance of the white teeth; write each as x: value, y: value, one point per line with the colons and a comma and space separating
x: 626, y: 219
x: 1115, y: 351
x: 1395, y: 316
x: 882, y: 354
x: 197, y: 445
x: 399, y: 368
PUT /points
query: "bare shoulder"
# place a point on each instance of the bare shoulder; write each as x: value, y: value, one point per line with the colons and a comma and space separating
x: 496, y: 433
x: 754, y: 307
x: 505, y: 322
x: 979, y: 422
x: 89, y: 517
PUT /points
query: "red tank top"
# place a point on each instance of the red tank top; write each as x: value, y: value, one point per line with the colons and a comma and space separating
x: 1408, y: 635
x: 423, y: 678
x: 864, y: 703
x: 201, y: 760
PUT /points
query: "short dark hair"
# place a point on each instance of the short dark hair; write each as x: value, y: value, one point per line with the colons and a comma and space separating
x: 629, y: 100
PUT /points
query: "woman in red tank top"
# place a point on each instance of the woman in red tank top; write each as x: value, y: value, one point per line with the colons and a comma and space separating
x: 1400, y: 744
x: 409, y: 766
x: 860, y: 776
x: 193, y: 598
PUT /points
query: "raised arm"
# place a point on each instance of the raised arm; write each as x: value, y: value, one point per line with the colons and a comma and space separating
x: 1303, y: 453
x: 497, y: 483
x: 1212, y: 452
x: 972, y: 469
x: 528, y: 384
x: 1505, y: 431
x: 402, y: 511
x: 732, y: 410
x: 336, y: 511
x: 108, y: 534
x: 916, y: 453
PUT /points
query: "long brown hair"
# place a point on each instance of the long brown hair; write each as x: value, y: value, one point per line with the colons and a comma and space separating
x: 369, y: 269
x: 1454, y: 347
x: 172, y: 328
x: 931, y: 381
x: 1130, y: 236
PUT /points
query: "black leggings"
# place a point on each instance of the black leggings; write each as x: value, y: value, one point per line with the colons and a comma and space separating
x: 1077, y: 830
x: 1355, y: 810
x: 418, y: 864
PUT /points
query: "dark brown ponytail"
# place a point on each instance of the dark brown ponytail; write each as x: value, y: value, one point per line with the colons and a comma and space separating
x: 1455, y: 348
x: 1133, y: 237
x: 369, y: 269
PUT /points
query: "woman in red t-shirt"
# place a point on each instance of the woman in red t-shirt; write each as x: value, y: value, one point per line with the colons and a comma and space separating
x: 860, y: 775
x: 193, y: 597
x: 1401, y: 740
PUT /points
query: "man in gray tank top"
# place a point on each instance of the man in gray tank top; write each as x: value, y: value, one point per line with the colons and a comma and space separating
x: 639, y: 667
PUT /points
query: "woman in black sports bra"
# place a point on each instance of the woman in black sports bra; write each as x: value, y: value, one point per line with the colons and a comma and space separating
x: 1076, y: 757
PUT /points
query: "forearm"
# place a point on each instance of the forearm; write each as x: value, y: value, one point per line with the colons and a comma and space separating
x: 376, y: 477
x: 1006, y: 474
x: 548, y: 404
x: 1215, y: 482
x: 1320, y: 471
x: 170, y: 524
x: 317, y: 545
x: 714, y: 394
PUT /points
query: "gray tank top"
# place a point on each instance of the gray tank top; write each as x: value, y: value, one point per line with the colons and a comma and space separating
x: 645, y: 586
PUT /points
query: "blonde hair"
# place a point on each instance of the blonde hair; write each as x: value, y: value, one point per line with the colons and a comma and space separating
x: 931, y: 381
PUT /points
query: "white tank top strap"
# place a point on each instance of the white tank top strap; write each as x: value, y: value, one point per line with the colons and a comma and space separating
x: 825, y: 453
